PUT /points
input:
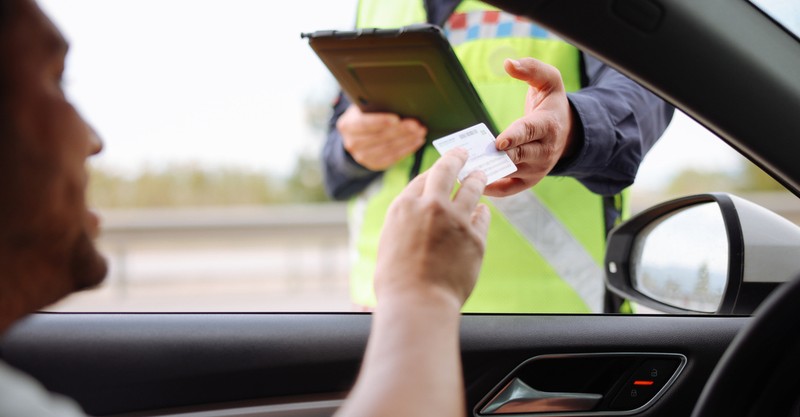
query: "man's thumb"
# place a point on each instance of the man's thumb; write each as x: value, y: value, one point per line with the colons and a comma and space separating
x: 534, y: 72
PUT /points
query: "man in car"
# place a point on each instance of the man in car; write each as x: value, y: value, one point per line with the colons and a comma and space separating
x: 577, y: 144
x: 47, y: 232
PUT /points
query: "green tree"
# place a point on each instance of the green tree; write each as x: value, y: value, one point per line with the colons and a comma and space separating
x: 184, y: 185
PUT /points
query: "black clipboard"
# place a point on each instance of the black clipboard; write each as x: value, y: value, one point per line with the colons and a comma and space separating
x: 411, y: 71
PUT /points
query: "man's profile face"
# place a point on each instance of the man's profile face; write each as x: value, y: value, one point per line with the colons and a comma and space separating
x: 46, y: 231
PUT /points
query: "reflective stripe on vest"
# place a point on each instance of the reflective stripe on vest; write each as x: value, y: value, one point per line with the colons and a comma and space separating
x: 556, y: 244
x: 532, y: 219
x: 519, y: 274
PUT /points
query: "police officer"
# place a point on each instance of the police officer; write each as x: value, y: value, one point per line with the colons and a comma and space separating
x: 576, y: 129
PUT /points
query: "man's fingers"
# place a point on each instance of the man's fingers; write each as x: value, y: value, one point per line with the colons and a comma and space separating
x: 383, y: 157
x: 536, y: 73
x: 378, y: 151
x: 354, y: 120
x: 506, y: 187
x: 405, y: 144
x: 442, y: 175
x: 470, y: 192
x: 537, y: 153
x: 413, y: 127
x: 480, y: 220
x: 528, y: 129
x: 417, y: 185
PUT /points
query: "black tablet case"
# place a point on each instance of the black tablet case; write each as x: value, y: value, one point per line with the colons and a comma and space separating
x: 411, y: 71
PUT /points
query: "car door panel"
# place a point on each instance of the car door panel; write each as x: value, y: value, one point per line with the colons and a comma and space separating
x: 159, y: 363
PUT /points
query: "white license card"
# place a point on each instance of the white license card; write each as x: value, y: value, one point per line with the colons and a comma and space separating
x: 483, y: 155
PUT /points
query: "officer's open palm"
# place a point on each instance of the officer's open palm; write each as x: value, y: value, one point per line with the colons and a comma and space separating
x: 543, y: 135
x: 379, y: 140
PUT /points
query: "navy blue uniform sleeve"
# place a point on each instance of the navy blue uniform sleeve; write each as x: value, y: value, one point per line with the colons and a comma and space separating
x: 343, y: 176
x: 620, y: 121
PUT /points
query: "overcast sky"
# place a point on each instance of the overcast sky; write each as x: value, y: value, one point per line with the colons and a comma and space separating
x: 224, y: 83
x: 216, y: 82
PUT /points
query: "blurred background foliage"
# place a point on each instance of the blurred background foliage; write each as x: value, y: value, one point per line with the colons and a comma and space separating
x: 194, y: 185
x: 748, y: 178
x: 197, y: 186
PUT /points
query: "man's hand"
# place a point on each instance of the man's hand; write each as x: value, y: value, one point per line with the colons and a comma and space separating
x: 379, y: 140
x: 432, y: 244
x: 539, y: 139
x: 429, y: 256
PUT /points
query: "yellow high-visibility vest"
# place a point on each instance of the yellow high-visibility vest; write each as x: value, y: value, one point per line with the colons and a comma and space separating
x: 545, y: 246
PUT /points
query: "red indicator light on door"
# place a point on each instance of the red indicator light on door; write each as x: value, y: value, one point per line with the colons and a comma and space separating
x: 643, y: 383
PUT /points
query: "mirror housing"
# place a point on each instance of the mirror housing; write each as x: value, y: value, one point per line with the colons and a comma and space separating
x: 763, y: 251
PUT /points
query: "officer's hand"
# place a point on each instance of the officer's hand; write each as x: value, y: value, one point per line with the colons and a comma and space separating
x: 432, y: 244
x: 379, y: 140
x: 539, y: 139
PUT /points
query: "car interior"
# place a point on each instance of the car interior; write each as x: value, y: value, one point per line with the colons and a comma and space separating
x: 728, y: 65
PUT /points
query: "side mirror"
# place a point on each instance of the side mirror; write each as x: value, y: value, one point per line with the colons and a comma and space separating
x: 708, y: 254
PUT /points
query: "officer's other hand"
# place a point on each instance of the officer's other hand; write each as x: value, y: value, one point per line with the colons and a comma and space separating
x: 543, y: 135
x: 432, y: 241
x: 379, y: 140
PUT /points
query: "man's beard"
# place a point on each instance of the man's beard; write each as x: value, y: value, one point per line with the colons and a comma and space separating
x: 87, y: 266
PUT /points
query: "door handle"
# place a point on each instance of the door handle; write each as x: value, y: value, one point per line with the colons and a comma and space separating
x: 518, y: 397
